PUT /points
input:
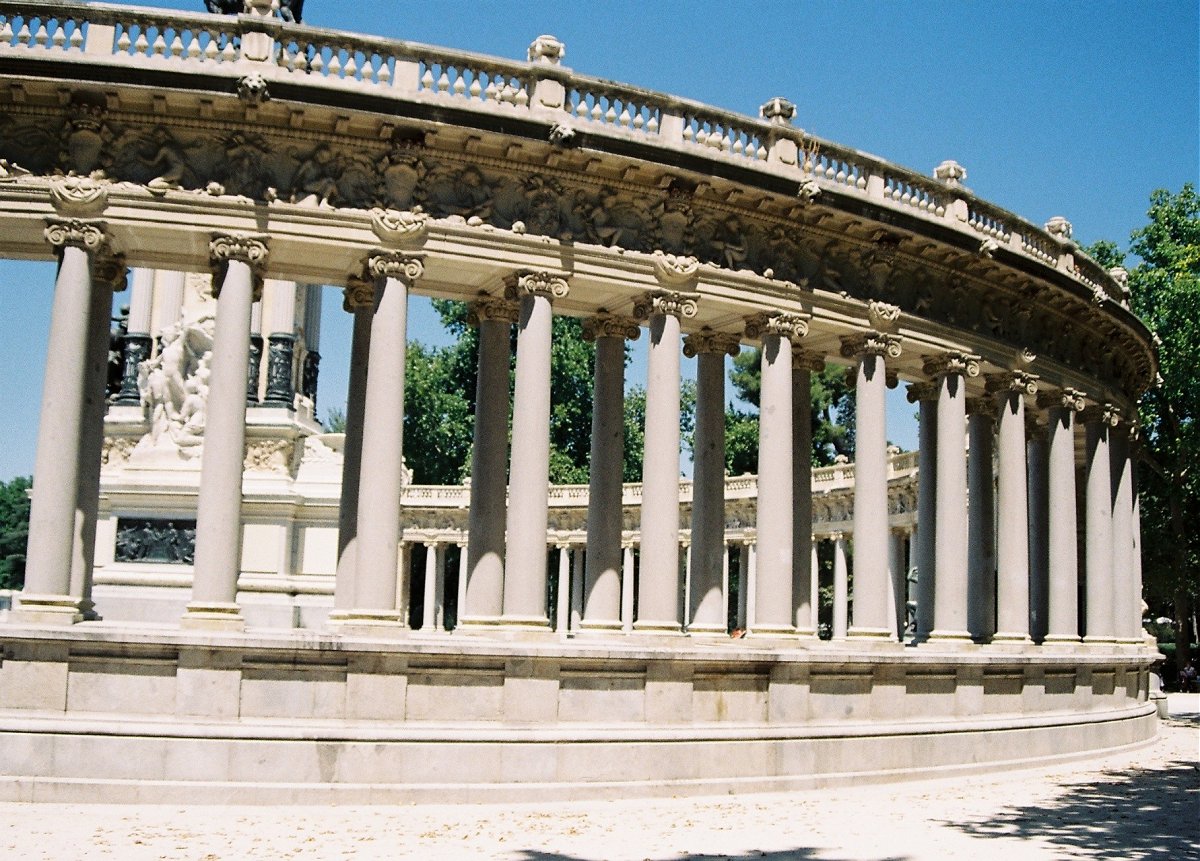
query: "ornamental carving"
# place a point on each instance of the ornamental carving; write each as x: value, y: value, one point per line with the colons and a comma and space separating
x: 174, y: 387
x: 252, y: 89
x: 1059, y: 228
x: 807, y: 360
x: 785, y: 325
x: 988, y: 248
x: 1067, y: 399
x: 710, y: 341
x: 109, y: 270
x: 675, y: 270
x: 1020, y: 382
x: 606, y: 325
x: 164, y: 541
x: 1105, y: 413
x: 952, y: 362
x: 551, y: 285
x: 563, y: 135
x: 950, y: 172
x: 358, y: 293
x: 871, y: 344
x: 882, y: 316
x: 225, y: 248
x: 492, y: 308
x: 547, y: 49
x: 268, y: 455
x: 926, y: 391
x: 394, y: 264
x: 982, y: 407
x: 116, y: 450
x: 78, y: 196
x: 62, y: 233
x: 673, y: 302
x: 400, y: 227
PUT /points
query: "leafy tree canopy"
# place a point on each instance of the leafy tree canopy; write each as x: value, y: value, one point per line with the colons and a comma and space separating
x: 14, y: 531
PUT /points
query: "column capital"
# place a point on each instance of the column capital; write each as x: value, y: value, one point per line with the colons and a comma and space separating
x: 536, y: 282
x: 711, y: 341
x: 394, y: 264
x: 90, y: 235
x: 985, y: 407
x: 1067, y: 399
x: 871, y: 343
x: 952, y: 362
x: 358, y: 293
x: 676, y: 303
x: 488, y: 307
x: 786, y: 324
x: 1021, y: 382
x: 224, y: 248
x: 925, y: 391
x: 110, y: 270
x: 1034, y: 428
x: 1105, y: 413
x: 807, y: 360
x: 606, y: 325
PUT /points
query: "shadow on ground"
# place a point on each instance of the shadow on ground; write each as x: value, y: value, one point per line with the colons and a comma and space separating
x: 1145, y: 815
x: 797, y: 854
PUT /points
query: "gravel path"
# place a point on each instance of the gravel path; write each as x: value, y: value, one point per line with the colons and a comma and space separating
x: 1143, y: 804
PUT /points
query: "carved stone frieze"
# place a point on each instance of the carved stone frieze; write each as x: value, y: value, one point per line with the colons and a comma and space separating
x: 61, y: 233
x: 952, y: 362
x: 606, y: 325
x: 711, y: 341
x: 269, y: 455
x: 674, y: 302
x: 116, y: 450
x: 536, y: 282
x: 787, y: 325
x: 394, y: 264
x: 871, y: 344
x: 492, y: 308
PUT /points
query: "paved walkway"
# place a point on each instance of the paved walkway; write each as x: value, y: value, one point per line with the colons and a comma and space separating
x: 1143, y: 804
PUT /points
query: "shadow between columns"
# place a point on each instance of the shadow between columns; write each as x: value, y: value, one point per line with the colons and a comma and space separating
x: 1144, y: 815
x: 800, y: 853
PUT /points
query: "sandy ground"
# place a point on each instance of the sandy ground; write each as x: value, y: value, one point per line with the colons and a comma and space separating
x: 1143, y: 804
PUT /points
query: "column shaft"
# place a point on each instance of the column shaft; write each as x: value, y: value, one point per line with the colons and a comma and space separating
x: 871, y: 611
x: 627, y: 582
x: 1037, y: 455
x: 356, y: 397
x: 804, y: 569
x: 981, y: 522
x: 773, y: 604
x: 950, y: 542
x: 1012, y: 536
x: 1099, y: 540
x: 562, y: 604
x: 926, y: 550
x: 602, y: 599
x: 897, y: 585
x: 707, y: 612
x: 841, y: 595
x: 1126, y: 601
x: 1063, y: 616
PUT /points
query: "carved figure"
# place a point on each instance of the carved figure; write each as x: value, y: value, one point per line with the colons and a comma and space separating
x: 174, y: 384
x: 400, y: 171
x: 247, y: 175
x: 316, y: 181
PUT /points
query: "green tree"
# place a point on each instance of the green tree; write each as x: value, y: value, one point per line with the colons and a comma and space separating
x: 14, y: 531
x: 1165, y: 293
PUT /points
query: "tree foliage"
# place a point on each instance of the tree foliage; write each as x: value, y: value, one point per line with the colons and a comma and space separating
x: 14, y: 531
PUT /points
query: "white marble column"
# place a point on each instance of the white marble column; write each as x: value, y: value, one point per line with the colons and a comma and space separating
x: 578, y: 555
x: 1063, y: 620
x: 950, y: 542
x: 926, y: 395
x: 707, y: 612
x: 897, y: 584
x: 605, y: 516
x: 871, y: 612
x: 1098, y: 422
x: 775, y: 611
x: 627, y: 577
x: 658, y: 580
x: 981, y: 519
x: 434, y: 588
x: 359, y: 300
x: 1136, y: 621
x: 562, y: 604
x: 841, y: 589
x: 485, y: 520
x: 382, y: 469
x: 804, y: 568
x: 814, y: 592
x: 1126, y: 601
x: 1037, y: 464
x: 529, y: 471
x: 237, y: 285
x: 168, y: 299
x: 1012, y: 523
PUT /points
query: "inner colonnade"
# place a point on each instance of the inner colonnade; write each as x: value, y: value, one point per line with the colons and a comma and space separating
x: 273, y: 155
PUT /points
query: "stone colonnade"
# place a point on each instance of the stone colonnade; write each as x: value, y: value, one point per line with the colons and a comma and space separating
x: 994, y: 547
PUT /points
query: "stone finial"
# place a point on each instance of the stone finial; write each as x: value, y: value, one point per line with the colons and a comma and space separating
x: 400, y: 228
x: 1120, y: 275
x: 951, y: 173
x: 604, y: 324
x: 711, y: 341
x: 1059, y: 228
x: 547, y: 49
x: 778, y: 111
x: 790, y: 326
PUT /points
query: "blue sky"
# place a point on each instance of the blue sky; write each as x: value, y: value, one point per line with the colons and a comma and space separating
x: 1076, y: 109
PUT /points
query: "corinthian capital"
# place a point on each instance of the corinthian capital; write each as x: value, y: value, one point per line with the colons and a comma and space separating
x: 952, y: 362
x: 606, y: 325
x: 871, y: 344
x: 394, y: 264
x: 710, y: 341
x: 1067, y: 399
x: 358, y: 293
x: 786, y: 325
x: 1021, y: 382
x: 537, y: 282
x: 62, y: 233
x: 492, y: 308
x: 674, y: 302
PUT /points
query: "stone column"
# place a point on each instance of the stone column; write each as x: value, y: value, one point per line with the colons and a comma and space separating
x: 926, y: 394
x: 898, y: 586
x: 1012, y: 524
x: 981, y: 519
x: 605, y: 518
x: 1136, y: 621
x: 707, y: 613
x: 281, y: 344
x: 1098, y: 421
x: 108, y: 275
x: 460, y: 594
x: 168, y: 300
x: 382, y: 470
x: 237, y: 261
x: 627, y: 577
x: 658, y: 581
x: 1062, y: 623
x: 871, y: 613
x: 434, y: 588
x: 1126, y: 602
x: 529, y: 472
x: 485, y: 521
x: 577, y: 559
x: 138, y: 342
x: 841, y: 591
x: 775, y: 611
x: 311, y: 365
x: 254, y: 365
x: 1037, y: 454
x: 814, y: 593
x: 950, y: 543
x: 359, y: 300
x: 562, y: 605
x: 804, y: 567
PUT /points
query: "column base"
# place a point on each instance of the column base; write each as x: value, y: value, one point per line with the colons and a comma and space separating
x: 1102, y: 640
x: 880, y: 634
x: 52, y: 610
x: 478, y: 624
x: 806, y: 633
x: 600, y: 626
x: 771, y: 632
x: 524, y: 628
x: 369, y: 623
x: 651, y: 627
x: 953, y: 639
x: 214, y: 616
x: 1014, y: 639
x: 708, y: 630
